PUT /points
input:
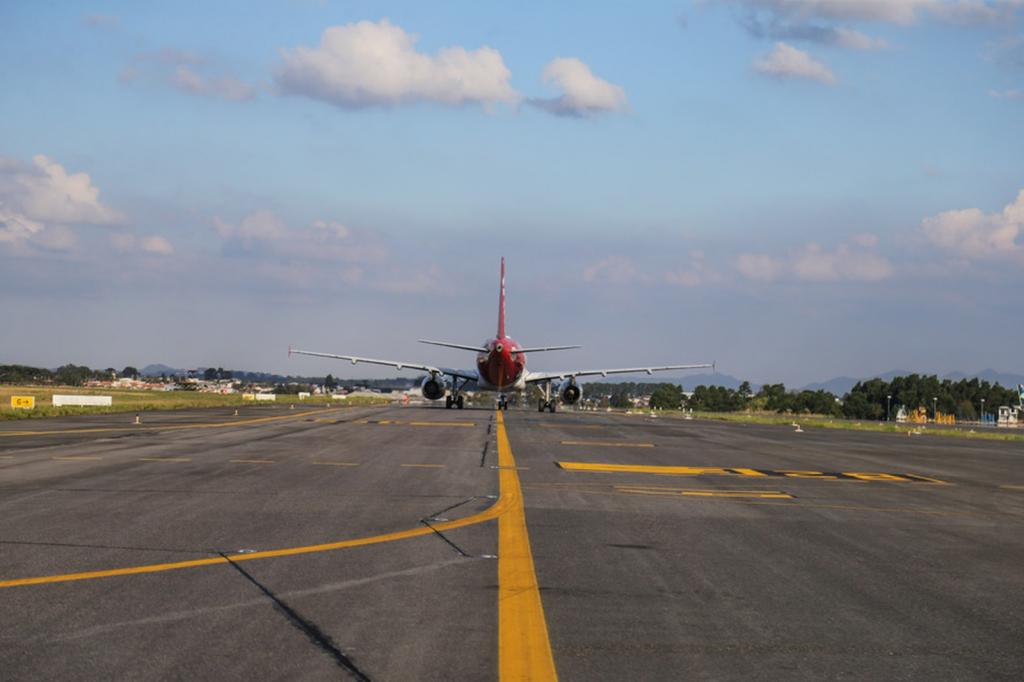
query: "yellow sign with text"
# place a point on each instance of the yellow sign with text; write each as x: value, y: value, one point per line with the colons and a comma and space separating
x: 248, y: 396
x: 23, y: 402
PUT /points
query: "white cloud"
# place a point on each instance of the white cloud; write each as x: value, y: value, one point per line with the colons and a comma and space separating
x: 692, y: 271
x: 1006, y: 94
x: 855, y: 40
x: 812, y: 263
x: 866, y: 239
x: 39, y: 202
x: 889, y: 11
x: 815, y: 264
x: 696, y: 272
x: 189, y: 73
x: 974, y: 234
x: 261, y: 225
x: 583, y: 93
x: 47, y: 193
x: 759, y: 266
x: 376, y: 64
x: 152, y: 244
x: 786, y: 62
x: 612, y: 270
x: 263, y: 234
x: 784, y: 28
x: 186, y: 79
x: 102, y: 21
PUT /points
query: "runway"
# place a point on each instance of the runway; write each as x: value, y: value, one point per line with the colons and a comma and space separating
x: 424, y: 543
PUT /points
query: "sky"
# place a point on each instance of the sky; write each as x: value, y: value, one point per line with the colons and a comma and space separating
x: 793, y: 189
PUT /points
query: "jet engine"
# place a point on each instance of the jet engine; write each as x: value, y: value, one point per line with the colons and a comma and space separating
x: 433, y: 388
x: 570, y: 392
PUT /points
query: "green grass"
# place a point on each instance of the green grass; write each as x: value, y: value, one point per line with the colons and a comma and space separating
x: 825, y: 422
x: 140, y: 401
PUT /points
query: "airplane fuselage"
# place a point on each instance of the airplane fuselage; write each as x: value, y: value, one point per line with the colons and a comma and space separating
x: 500, y: 368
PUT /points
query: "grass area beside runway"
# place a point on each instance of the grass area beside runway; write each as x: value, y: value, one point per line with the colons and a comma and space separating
x: 140, y: 401
x: 823, y: 422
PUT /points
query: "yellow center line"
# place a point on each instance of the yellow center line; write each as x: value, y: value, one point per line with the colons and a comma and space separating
x: 524, y: 649
x: 1012, y: 487
x: 165, y: 459
x: 75, y: 458
x: 252, y: 461
x: 425, y: 466
x: 338, y: 464
x: 607, y: 444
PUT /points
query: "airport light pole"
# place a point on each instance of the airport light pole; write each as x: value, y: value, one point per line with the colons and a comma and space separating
x: 888, y: 408
x: 982, y: 411
x: 935, y: 410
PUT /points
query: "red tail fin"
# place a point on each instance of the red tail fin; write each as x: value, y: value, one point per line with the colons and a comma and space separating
x: 501, y: 302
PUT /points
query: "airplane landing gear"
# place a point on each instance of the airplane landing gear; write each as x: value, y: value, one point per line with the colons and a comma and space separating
x: 502, y: 402
x: 456, y: 396
x: 546, y: 403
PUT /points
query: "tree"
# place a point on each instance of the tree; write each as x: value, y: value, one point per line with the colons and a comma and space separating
x: 776, y: 397
x: 330, y: 383
x: 666, y: 397
x: 73, y: 375
x: 130, y: 372
x: 210, y: 374
x: 620, y: 399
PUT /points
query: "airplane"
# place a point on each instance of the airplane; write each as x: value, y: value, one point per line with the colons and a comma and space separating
x: 500, y: 367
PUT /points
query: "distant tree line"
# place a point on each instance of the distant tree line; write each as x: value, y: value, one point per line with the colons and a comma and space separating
x: 66, y: 375
x: 875, y: 399
x: 870, y: 399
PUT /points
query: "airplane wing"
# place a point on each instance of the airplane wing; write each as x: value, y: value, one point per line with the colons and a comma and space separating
x: 540, y: 377
x: 460, y: 373
x: 541, y: 349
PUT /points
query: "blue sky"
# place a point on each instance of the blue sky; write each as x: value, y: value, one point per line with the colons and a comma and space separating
x: 796, y: 189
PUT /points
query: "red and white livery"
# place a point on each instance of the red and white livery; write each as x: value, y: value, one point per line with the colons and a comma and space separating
x: 500, y: 367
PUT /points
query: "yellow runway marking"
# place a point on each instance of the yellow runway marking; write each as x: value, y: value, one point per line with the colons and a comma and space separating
x: 571, y: 426
x: 338, y: 464
x: 252, y: 461
x: 165, y: 459
x: 642, y: 469
x: 6, y: 457
x: 396, y: 422
x: 165, y: 427
x: 496, y: 511
x: 764, y: 494
x: 856, y: 476
x: 72, y: 458
x: 500, y: 508
x: 607, y: 444
x: 524, y: 650
x: 425, y: 466
x: 1013, y: 487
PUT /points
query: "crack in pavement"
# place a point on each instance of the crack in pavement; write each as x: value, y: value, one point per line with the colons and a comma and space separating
x: 317, y: 636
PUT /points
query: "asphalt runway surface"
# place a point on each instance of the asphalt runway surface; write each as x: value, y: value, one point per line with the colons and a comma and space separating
x: 428, y: 544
